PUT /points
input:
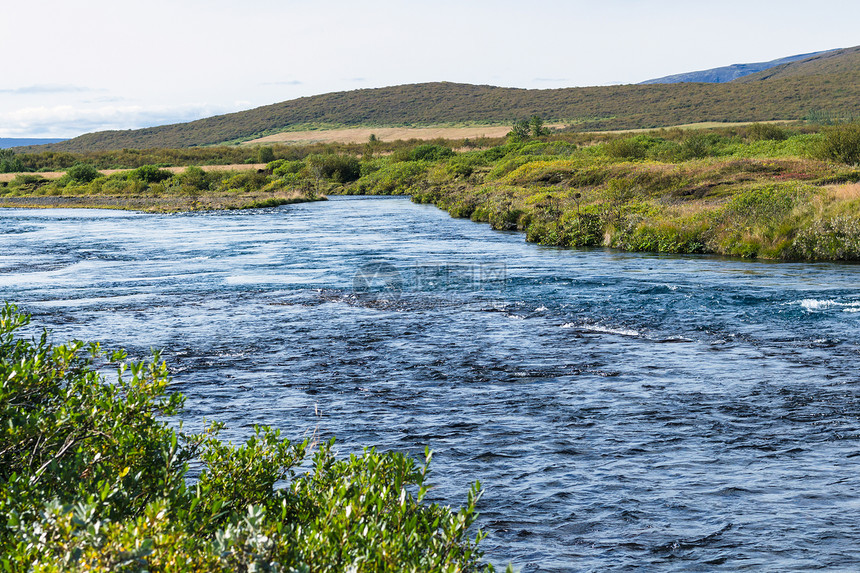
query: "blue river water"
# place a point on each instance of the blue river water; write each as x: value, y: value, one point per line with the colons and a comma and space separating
x: 621, y: 411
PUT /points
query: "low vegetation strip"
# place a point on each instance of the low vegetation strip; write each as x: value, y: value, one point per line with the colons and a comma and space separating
x: 93, y: 477
x: 150, y: 188
x: 7, y: 177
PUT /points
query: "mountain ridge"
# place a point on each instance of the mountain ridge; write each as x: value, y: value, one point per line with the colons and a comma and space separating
x: 724, y: 74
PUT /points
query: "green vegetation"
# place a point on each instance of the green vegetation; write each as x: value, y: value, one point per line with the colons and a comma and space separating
x: 94, y: 476
x: 755, y: 191
x: 82, y: 173
x: 10, y: 162
x: 42, y: 160
x: 150, y: 188
x: 781, y: 192
x: 841, y: 143
x: 527, y: 128
x: 788, y: 92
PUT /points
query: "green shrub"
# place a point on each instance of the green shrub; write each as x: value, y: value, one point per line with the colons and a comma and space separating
x: 94, y: 477
x: 265, y: 154
x: 766, y: 131
x: 430, y: 152
x: 194, y: 177
x: 694, y: 147
x: 240, y: 181
x: 392, y: 178
x: 150, y: 174
x: 841, y: 143
x: 82, y: 173
x: 502, y: 168
x: 28, y: 181
x: 334, y: 167
x: 626, y: 148
x: 9, y: 162
x: 285, y: 167
x: 829, y: 238
x: 764, y: 205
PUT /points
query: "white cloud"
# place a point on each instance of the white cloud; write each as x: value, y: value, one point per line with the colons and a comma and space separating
x: 46, y: 89
x: 70, y: 121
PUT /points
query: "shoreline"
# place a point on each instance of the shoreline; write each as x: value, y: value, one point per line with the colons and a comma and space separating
x: 51, y: 175
x: 165, y: 204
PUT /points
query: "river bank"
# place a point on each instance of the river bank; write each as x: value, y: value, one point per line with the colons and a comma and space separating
x: 154, y: 189
x: 156, y: 204
x: 757, y: 191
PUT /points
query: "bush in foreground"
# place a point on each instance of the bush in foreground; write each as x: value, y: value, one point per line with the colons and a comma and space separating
x: 92, y: 478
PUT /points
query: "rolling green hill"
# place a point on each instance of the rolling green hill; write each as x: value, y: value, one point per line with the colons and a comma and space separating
x: 830, y: 82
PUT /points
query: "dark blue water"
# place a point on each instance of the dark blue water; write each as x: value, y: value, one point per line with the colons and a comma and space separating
x: 622, y: 411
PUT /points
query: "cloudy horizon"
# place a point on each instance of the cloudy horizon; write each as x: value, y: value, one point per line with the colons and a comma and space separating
x: 111, y: 65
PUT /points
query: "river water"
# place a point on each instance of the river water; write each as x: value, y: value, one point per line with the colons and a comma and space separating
x: 621, y: 410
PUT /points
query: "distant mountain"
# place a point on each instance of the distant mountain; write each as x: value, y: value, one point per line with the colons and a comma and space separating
x: 728, y: 73
x: 828, y: 81
x: 7, y: 142
x: 834, y: 63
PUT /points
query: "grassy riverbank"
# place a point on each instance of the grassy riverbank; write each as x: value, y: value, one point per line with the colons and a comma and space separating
x: 152, y: 189
x: 756, y: 191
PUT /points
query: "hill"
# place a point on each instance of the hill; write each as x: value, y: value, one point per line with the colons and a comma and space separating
x: 830, y: 82
x: 836, y: 63
x: 727, y: 73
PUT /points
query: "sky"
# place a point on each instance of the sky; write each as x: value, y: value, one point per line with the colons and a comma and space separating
x: 76, y: 66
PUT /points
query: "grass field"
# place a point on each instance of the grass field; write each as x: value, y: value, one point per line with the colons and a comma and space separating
x: 362, y: 134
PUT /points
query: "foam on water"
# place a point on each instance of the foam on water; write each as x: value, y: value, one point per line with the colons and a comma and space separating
x: 813, y: 305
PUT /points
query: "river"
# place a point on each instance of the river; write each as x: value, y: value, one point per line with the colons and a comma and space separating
x: 621, y: 410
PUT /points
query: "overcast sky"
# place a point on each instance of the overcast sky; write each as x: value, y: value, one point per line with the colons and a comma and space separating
x: 75, y: 66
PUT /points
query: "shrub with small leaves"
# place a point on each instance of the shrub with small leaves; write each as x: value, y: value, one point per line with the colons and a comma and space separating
x: 82, y: 173
x: 93, y: 477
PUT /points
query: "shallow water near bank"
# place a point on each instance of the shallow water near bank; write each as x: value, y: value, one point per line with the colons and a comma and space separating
x: 620, y: 410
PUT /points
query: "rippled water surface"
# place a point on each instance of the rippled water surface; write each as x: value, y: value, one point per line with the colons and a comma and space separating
x: 621, y: 410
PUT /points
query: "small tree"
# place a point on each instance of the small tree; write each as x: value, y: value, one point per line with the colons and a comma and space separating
x: 525, y: 129
x: 265, y: 155
x: 536, y: 128
x: 9, y: 163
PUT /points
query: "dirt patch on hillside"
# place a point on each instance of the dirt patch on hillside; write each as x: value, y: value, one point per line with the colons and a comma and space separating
x: 362, y: 134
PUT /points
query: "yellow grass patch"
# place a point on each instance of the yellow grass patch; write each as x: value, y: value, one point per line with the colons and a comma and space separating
x: 844, y: 192
x: 362, y: 134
